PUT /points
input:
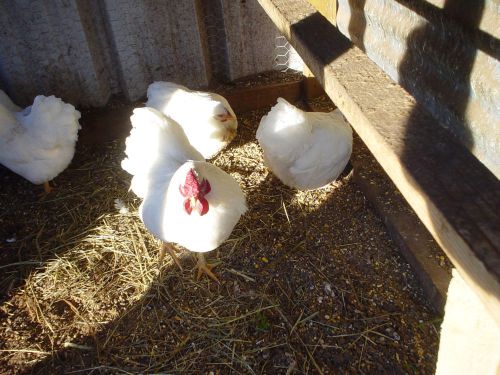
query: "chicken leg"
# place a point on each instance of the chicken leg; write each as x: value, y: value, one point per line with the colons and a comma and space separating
x: 204, y: 267
x: 46, y: 190
x: 166, y: 247
x: 47, y: 187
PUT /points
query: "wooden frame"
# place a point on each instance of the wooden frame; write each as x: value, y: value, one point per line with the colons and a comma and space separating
x: 328, y: 8
x: 454, y: 195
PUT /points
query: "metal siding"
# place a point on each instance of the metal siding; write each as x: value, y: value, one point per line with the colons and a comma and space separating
x: 45, y: 51
x: 156, y: 41
x: 251, y: 37
x: 86, y: 50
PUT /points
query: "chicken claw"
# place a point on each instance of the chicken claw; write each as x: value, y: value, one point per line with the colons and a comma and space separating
x: 204, y: 267
x: 166, y: 247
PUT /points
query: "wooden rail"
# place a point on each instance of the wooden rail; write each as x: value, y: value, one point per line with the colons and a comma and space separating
x: 453, y: 194
x: 262, y: 96
x: 328, y: 8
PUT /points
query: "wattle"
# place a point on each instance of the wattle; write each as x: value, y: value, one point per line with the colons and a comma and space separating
x: 202, y: 206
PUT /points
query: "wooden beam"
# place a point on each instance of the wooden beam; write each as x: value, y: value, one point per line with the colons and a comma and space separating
x: 453, y: 194
x: 250, y: 98
x: 311, y: 88
x: 328, y: 8
x: 105, y: 124
x: 255, y: 97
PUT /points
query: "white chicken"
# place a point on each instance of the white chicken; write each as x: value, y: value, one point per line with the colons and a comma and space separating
x: 207, y: 118
x: 185, y: 199
x: 305, y: 150
x: 38, y: 142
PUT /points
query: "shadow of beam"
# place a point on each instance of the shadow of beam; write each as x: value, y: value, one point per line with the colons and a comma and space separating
x: 464, y: 196
x: 323, y: 40
x: 465, y: 13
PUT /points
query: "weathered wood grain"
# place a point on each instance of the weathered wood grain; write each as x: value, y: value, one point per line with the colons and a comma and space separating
x: 460, y: 9
x: 328, y: 8
x: 449, y: 189
x: 256, y: 97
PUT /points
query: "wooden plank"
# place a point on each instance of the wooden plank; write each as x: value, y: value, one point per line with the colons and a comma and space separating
x: 461, y: 11
x: 468, y: 339
x: 256, y: 97
x: 419, y: 47
x: 100, y: 125
x: 453, y: 194
x: 311, y: 88
x: 250, y: 98
x: 328, y: 8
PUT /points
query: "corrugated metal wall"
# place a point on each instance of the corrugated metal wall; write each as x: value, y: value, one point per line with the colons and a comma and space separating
x: 86, y: 50
x: 445, y: 53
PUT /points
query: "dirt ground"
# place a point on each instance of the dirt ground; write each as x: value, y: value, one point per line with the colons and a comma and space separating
x: 310, y: 281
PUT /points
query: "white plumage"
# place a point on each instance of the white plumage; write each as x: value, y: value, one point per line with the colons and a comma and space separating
x: 38, y: 142
x: 207, y: 118
x: 160, y: 157
x: 163, y: 212
x: 155, y: 149
x: 305, y: 150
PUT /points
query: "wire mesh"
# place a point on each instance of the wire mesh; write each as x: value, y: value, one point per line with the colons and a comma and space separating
x: 286, y: 58
x: 213, y: 20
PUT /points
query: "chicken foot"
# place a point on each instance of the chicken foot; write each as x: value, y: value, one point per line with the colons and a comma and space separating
x: 204, y: 267
x: 166, y: 247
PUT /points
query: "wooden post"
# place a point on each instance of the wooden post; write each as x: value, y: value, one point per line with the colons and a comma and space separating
x: 469, y: 336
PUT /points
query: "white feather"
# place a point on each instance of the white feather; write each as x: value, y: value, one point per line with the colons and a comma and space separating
x: 195, y: 111
x: 155, y: 148
x: 305, y: 150
x: 38, y: 143
x: 162, y: 211
x: 159, y: 157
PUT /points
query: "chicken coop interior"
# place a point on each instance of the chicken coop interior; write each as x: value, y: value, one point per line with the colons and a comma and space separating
x: 250, y: 187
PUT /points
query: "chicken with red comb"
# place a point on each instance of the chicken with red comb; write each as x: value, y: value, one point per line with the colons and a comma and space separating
x: 186, y: 200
